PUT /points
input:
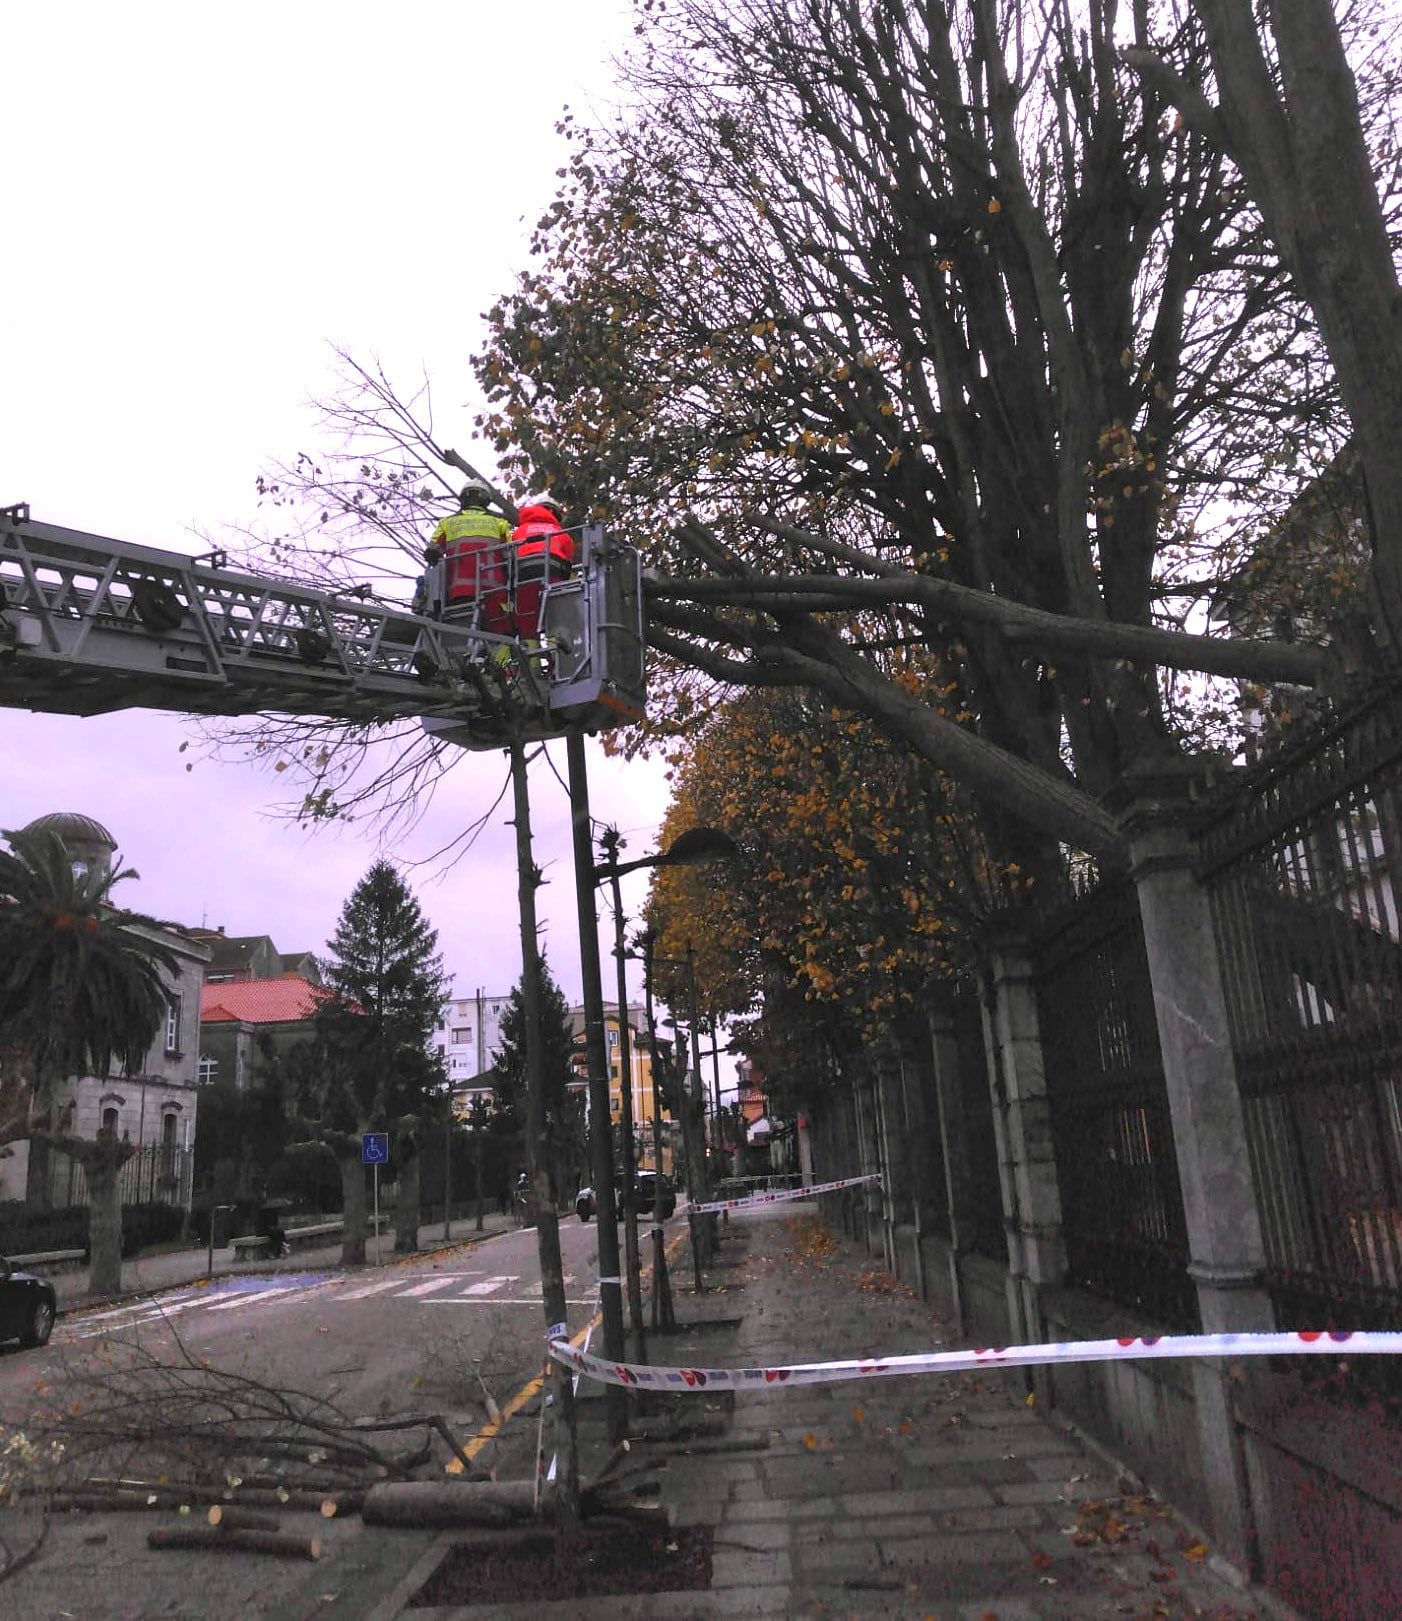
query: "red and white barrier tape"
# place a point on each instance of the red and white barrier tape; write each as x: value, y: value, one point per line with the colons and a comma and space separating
x: 753, y: 1200
x: 1008, y: 1356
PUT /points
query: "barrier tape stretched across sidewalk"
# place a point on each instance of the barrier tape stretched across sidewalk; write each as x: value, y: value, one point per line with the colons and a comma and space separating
x: 1008, y: 1356
x: 750, y: 1200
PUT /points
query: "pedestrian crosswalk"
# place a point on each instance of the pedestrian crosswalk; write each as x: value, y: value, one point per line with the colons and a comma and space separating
x: 248, y: 1296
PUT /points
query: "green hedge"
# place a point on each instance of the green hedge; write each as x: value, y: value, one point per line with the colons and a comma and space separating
x: 31, y: 1232
x: 28, y: 1232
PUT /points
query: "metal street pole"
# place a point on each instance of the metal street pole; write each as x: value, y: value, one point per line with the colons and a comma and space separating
x: 630, y: 1214
x: 448, y: 1169
x: 552, y: 1274
x: 715, y: 1090
x: 596, y: 1057
x: 698, y: 1092
x: 663, y: 1315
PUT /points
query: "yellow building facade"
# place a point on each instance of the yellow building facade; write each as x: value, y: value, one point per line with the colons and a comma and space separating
x: 646, y: 1098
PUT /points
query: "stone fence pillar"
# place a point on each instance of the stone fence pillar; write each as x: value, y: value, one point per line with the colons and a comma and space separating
x: 1225, y: 1246
x: 1026, y: 1160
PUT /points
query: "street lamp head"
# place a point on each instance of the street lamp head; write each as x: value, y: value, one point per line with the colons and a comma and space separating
x: 693, y: 848
x: 697, y: 846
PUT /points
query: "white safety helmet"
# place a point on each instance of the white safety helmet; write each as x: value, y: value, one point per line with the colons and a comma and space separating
x: 474, y: 493
x: 550, y: 504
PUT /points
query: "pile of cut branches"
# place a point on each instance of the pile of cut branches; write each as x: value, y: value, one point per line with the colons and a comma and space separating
x: 143, y: 1419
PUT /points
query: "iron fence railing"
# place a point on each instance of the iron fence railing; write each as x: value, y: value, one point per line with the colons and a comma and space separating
x: 1304, y: 867
x: 1122, y: 1205
x: 156, y: 1174
x: 982, y: 1226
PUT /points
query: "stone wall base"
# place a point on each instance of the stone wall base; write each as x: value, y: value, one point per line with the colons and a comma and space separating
x: 1324, y: 1478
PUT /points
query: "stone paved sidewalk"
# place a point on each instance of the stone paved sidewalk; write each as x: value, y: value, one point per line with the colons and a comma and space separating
x: 940, y: 1496
x: 945, y: 1495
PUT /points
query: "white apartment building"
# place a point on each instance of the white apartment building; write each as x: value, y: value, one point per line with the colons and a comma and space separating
x: 469, y: 1037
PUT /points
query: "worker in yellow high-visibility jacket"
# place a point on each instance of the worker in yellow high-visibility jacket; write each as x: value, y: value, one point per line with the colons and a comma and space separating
x: 477, y: 547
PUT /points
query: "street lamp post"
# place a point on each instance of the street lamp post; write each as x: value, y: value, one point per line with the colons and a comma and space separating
x: 610, y: 843
x: 448, y: 1169
x: 698, y: 1232
x: 663, y: 1316
x: 698, y: 1093
x: 695, y: 847
x: 596, y: 1058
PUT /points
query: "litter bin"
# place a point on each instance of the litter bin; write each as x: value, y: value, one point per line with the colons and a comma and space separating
x: 222, y: 1226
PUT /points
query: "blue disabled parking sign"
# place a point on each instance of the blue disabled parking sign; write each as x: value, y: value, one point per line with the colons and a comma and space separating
x: 374, y: 1148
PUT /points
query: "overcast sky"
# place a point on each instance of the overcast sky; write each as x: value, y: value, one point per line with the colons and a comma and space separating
x: 198, y: 201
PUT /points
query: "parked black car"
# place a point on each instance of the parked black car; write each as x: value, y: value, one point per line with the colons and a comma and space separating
x: 644, y: 1197
x: 28, y: 1306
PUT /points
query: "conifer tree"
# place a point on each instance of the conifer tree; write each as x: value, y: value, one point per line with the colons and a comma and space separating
x: 509, y: 1074
x: 378, y: 1072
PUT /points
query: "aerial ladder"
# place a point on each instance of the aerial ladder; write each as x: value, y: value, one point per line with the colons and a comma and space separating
x: 89, y: 625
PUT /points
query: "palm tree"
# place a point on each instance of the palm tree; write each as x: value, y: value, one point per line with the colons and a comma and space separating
x: 81, y: 988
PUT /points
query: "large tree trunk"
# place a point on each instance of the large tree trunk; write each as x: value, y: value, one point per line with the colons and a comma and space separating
x: 406, y: 1208
x: 1306, y: 163
x: 102, y: 1160
x: 352, y: 1207
x: 38, y: 1186
x: 104, y: 1228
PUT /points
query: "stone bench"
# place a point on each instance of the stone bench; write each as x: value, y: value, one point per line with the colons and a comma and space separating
x: 255, y: 1244
x: 49, y: 1260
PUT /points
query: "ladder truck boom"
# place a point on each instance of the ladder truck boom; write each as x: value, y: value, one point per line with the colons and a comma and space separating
x: 89, y: 625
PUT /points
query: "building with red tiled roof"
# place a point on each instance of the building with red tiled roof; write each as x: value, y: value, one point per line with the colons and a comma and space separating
x: 287, y: 1000
x: 235, y: 1016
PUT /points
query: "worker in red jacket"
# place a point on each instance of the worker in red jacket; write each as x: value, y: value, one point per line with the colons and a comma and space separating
x: 544, y: 552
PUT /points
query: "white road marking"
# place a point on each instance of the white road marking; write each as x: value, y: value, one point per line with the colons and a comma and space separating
x: 431, y: 1287
x: 252, y: 1296
x: 137, y: 1317
x: 369, y: 1289
x: 144, y: 1304
x: 502, y: 1300
x: 486, y: 1286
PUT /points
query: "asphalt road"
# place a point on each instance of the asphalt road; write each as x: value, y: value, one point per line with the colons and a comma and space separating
x: 422, y: 1335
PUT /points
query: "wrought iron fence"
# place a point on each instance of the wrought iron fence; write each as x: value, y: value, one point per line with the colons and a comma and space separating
x: 1122, y: 1205
x: 1304, y: 867
x: 159, y: 1173
x: 981, y: 1223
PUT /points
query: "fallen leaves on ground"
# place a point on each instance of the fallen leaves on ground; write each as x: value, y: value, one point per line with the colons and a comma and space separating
x: 814, y: 1244
x: 878, y: 1281
x: 1114, y: 1520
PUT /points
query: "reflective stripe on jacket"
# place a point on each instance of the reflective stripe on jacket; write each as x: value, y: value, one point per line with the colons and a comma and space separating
x: 539, y: 532
x: 471, y: 540
x: 474, y: 524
